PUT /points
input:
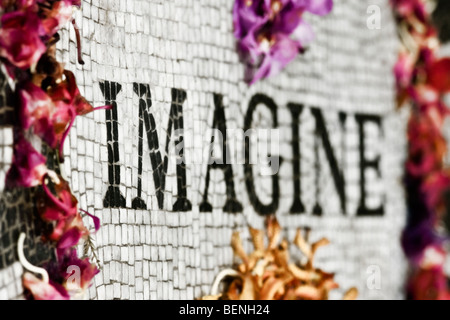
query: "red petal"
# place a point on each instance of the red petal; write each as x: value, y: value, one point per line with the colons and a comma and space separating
x: 439, y: 75
x: 69, y: 239
x: 28, y: 166
x: 94, y: 218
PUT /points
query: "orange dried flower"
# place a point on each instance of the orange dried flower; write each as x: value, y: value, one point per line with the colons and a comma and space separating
x: 268, y: 274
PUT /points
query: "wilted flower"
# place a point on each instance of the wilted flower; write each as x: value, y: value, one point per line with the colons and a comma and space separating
x: 429, y: 284
x: 18, y: 4
x: 48, y: 102
x: 422, y: 79
x: 403, y: 70
x: 271, y: 33
x: 36, y: 110
x: 62, y: 209
x: 64, y: 283
x: 20, y: 38
x: 59, y: 13
x: 415, y: 239
x: 48, y: 69
x: 438, y: 74
x: 268, y: 273
x: 69, y: 231
x: 40, y: 290
x: 59, y: 206
x: 427, y: 146
x: 67, y: 258
x: 411, y: 9
x: 428, y: 100
x: 66, y: 95
x: 434, y: 188
x: 51, y: 114
x: 28, y: 166
x: 69, y: 103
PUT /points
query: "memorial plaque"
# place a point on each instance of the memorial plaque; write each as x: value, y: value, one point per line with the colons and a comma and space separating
x: 172, y: 74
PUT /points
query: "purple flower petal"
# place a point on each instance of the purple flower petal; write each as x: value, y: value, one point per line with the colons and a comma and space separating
x: 304, y: 34
x: 250, y: 48
x: 270, y: 33
x: 94, y: 218
x: 248, y: 17
x: 253, y: 75
x: 283, y: 52
x: 288, y: 20
x: 319, y: 7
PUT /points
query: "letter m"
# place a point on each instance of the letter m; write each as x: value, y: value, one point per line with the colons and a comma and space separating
x: 159, y: 166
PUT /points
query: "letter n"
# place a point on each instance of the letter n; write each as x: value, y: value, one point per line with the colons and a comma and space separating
x: 321, y: 134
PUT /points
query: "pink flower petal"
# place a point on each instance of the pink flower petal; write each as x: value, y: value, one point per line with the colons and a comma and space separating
x: 94, y: 218
x: 20, y: 40
x: 36, y: 107
x: 69, y: 238
x: 282, y: 53
x: 319, y: 7
x: 68, y: 257
x: 41, y: 290
x: 303, y: 34
x: 28, y: 167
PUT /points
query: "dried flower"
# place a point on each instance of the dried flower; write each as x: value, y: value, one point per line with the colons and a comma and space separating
x: 427, y: 146
x: 36, y: 111
x: 40, y: 290
x: 69, y: 104
x: 268, y: 273
x: 410, y: 9
x: 67, y: 258
x: 51, y: 114
x: 403, y: 70
x: 422, y: 80
x: 438, y: 74
x: 62, y: 209
x: 48, y: 102
x: 56, y: 15
x: 66, y: 95
x: 28, y: 166
x: 428, y: 284
x: 20, y: 38
x: 434, y: 188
